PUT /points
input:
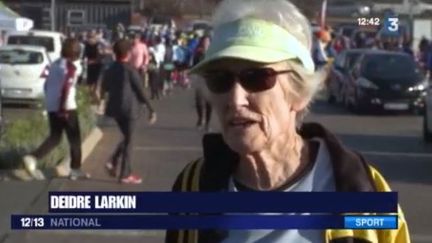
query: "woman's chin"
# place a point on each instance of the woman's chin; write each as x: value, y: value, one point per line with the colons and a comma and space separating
x: 244, y: 145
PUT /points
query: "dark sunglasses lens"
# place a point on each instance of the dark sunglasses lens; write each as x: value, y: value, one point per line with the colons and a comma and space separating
x: 219, y: 82
x: 257, y: 80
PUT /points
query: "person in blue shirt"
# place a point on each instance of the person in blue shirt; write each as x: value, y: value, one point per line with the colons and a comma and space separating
x: 192, y: 46
x: 407, y: 47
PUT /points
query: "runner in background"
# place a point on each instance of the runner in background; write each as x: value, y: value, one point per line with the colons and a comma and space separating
x: 60, y: 90
x: 168, y: 68
x: 139, y: 57
x: 202, y: 104
x: 180, y: 58
x: 93, y: 59
x: 154, y: 75
x: 125, y: 98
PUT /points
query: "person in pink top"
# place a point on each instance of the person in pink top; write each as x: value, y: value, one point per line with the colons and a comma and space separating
x: 139, y: 56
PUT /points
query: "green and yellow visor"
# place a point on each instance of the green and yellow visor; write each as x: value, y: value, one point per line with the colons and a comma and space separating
x: 255, y: 40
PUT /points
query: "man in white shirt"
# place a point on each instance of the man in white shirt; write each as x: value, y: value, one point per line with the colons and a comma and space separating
x: 60, y: 102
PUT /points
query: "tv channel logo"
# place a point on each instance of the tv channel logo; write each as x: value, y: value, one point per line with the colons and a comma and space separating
x: 391, y: 25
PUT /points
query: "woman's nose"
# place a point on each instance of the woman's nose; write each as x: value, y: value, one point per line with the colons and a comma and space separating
x: 237, y: 96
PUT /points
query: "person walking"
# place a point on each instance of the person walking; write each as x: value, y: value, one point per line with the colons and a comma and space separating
x: 202, y: 104
x: 139, y: 57
x: 180, y: 59
x: 168, y: 68
x: 60, y: 102
x: 122, y: 84
x: 159, y: 51
x: 93, y: 55
x: 319, y: 54
x: 154, y: 76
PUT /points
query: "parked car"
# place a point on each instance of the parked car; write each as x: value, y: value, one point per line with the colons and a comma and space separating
x: 384, y: 80
x: 339, y: 73
x: 199, y: 25
x: 348, y: 8
x: 50, y: 40
x: 23, y: 70
x: 405, y: 7
x: 135, y: 29
x: 346, y: 29
x: 1, y: 112
x: 158, y: 22
x: 427, y: 117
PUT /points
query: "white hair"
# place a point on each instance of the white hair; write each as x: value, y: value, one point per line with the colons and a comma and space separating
x: 283, y: 13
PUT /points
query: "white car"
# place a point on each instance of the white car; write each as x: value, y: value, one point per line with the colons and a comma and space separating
x: 427, y: 117
x: 414, y: 7
x: 23, y: 70
x: 51, y: 40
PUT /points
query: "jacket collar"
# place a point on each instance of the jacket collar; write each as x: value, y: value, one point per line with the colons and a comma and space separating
x: 349, y: 168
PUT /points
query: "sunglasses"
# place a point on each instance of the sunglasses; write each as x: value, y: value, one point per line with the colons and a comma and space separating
x: 252, y: 80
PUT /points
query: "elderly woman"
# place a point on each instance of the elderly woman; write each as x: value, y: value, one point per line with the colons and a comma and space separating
x: 261, y: 79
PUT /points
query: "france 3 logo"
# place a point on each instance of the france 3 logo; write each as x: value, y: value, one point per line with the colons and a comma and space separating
x: 391, y: 25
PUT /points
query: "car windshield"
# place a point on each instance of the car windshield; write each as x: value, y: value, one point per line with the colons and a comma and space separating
x: 160, y: 20
x: 351, y: 59
x: 391, y: 67
x: 347, y: 31
x: 42, y: 41
x: 20, y: 57
x: 200, y: 26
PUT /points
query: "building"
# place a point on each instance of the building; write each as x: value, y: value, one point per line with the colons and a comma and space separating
x: 74, y: 15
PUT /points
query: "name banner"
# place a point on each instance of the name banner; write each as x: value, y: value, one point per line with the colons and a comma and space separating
x: 224, y: 202
x: 239, y: 222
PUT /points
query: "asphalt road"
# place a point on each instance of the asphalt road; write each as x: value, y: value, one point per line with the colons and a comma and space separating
x: 391, y: 142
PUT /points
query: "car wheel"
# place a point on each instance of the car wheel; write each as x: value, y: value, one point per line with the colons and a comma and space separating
x: 331, y: 99
x: 345, y: 101
x: 356, y: 107
x: 427, y: 134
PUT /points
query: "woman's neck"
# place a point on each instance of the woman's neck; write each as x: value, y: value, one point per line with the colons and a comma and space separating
x: 271, y: 168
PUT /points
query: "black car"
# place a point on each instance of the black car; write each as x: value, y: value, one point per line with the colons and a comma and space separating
x: 1, y: 113
x: 385, y: 80
x: 339, y: 73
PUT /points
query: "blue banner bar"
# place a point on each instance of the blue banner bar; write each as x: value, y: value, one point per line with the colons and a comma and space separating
x: 225, y: 202
x: 158, y: 222
x: 371, y: 222
x: 105, y: 222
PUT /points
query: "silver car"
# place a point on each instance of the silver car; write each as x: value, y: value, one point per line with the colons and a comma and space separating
x: 427, y: 117
x: 348, y: 8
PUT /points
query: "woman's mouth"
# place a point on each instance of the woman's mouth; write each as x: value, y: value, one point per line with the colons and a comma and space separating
x: 241, y: 123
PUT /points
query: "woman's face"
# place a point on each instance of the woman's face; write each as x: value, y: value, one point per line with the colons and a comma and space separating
x: 252, y: 121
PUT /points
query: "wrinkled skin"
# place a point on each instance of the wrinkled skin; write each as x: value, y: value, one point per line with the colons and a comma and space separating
x: 260, y: 127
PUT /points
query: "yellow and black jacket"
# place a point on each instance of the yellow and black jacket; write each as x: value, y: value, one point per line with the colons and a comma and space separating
x: 352, y: 174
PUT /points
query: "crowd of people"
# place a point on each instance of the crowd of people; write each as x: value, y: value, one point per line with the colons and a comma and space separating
x: 117, y: 70
x: 162, y: 58
x: 328, y: 43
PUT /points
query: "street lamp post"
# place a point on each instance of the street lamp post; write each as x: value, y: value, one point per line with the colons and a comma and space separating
x: 53, y: 20
x: 412, y: 4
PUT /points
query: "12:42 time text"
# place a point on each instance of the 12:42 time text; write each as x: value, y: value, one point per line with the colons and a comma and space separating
x: 368, y: 21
